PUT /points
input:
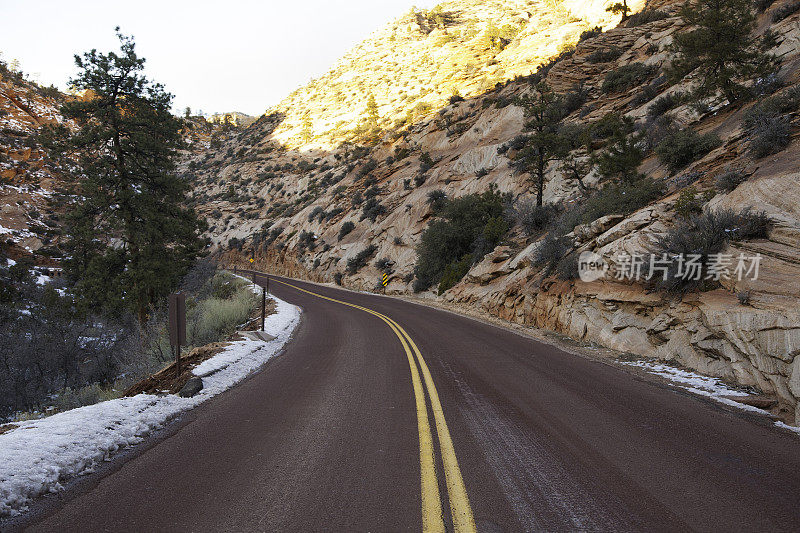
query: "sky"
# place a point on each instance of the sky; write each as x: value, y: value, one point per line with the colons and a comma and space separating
x: 214, y: 56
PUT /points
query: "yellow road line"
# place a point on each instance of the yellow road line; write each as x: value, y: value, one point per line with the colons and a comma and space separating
x: 431, y: 501
x: 463, y: 520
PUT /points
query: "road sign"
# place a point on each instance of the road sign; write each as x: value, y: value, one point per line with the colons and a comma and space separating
x: 385, y: 279
x: 251, y: 260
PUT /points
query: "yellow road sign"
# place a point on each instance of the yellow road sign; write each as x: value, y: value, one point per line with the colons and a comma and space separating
x: 251, y: 259
x: 385, y: 280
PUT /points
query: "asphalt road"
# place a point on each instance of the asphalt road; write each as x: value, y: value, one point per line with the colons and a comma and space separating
x: 348, y: 431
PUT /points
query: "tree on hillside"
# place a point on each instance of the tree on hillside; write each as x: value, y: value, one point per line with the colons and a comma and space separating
x: 129, y: 239
x: 720, y: 48
x: 307, y: 131
x: 545, y: 141
x: 619, y: 8
x: 623, y: 153
x: 372, y: 112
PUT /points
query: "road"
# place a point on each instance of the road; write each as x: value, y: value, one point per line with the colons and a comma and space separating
x: 384, y: 415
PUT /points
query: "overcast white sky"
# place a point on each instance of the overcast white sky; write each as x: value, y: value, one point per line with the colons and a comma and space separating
x: 223, y: 55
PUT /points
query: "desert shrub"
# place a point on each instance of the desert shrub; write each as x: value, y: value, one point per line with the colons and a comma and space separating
x: 690, y: 202
x: 470, y: 225
x: 532, y: 218
x: 588, y: 34
x: 728, y: 181
x: 437, y: 199
x: 645, y: 16
x: 213, y: 319
x: 620, y: 199
x: 574, y: 99
x: 768, y: 124
x: 705, y: 235
x: 763, y: 5
x: 306, y: 240
x: 681, y: 147
x: 383, y: 263
x: 223, y: 287
x: 346, y: 228
x: 359, y: 261
x: 769, y: 135
x: 785, y: 11
x: 665, y: 103
x: 550, y: 252
x: 481, y: 172
x: 453, y: 273
x: 372, y: 209
x: 743, y: 297
x: 605, y: 55
x: 337, y: 278
x: 627, y: 77
x: 455, y: 99
x: 426, y: 162
x: 316, y: 212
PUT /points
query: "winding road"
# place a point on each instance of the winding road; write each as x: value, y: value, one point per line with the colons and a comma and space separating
x: 386, y: 415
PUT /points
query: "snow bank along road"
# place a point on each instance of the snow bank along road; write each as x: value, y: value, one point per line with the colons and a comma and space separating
x: 384, y: 415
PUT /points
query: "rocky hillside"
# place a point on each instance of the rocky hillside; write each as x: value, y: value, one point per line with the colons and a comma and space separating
x: 415, y: 64
x: 27, y: 177
x: 331, y: 187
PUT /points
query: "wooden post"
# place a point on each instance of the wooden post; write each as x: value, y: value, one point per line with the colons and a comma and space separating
x: 263, y: 307
x: 177, y: 326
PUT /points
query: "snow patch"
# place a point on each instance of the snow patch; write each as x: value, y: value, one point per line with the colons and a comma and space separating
x: 39, y: 455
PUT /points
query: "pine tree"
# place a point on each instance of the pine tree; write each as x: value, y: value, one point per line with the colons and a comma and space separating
x: 372, y: 112
x: 623, y: 154
x: 720, y: 48
x: 620, y: 8
x: 546, y: 141
x: 129, y: 239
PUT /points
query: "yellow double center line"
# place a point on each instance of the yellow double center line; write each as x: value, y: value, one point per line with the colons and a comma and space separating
x: 460, y: 509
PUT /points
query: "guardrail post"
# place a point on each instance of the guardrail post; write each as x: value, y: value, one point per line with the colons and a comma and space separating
x: 263, y: 307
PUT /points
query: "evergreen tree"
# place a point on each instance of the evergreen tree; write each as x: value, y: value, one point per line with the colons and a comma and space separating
x: 372, y: 112
x: 307, y: 132
x: 129, y: 239
x: 720, y: 48
x: 620, y: 8
x: 623, y: 154
x: 546, y: 140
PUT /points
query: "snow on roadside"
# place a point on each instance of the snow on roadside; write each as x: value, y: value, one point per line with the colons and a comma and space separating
x: 39, y: 455
x: 704, y: 386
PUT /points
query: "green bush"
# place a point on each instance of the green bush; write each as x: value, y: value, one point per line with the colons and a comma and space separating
x: 620, y: 199
x: 359, y: 261
x: 728, y: 181
x: 453, y: 273
x: 665, y: 103
x: 346, y: 228
x: 605, y: 55
x: 690, y: 202
x: 437, y: 199
x: 588, y: 34
x: 471, y: 225
x: 645, y: 16
x: 681, y: 147
x: 627, y: 77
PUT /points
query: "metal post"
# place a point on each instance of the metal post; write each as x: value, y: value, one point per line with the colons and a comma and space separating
x: 268, y: 283
x: 263, y: 307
